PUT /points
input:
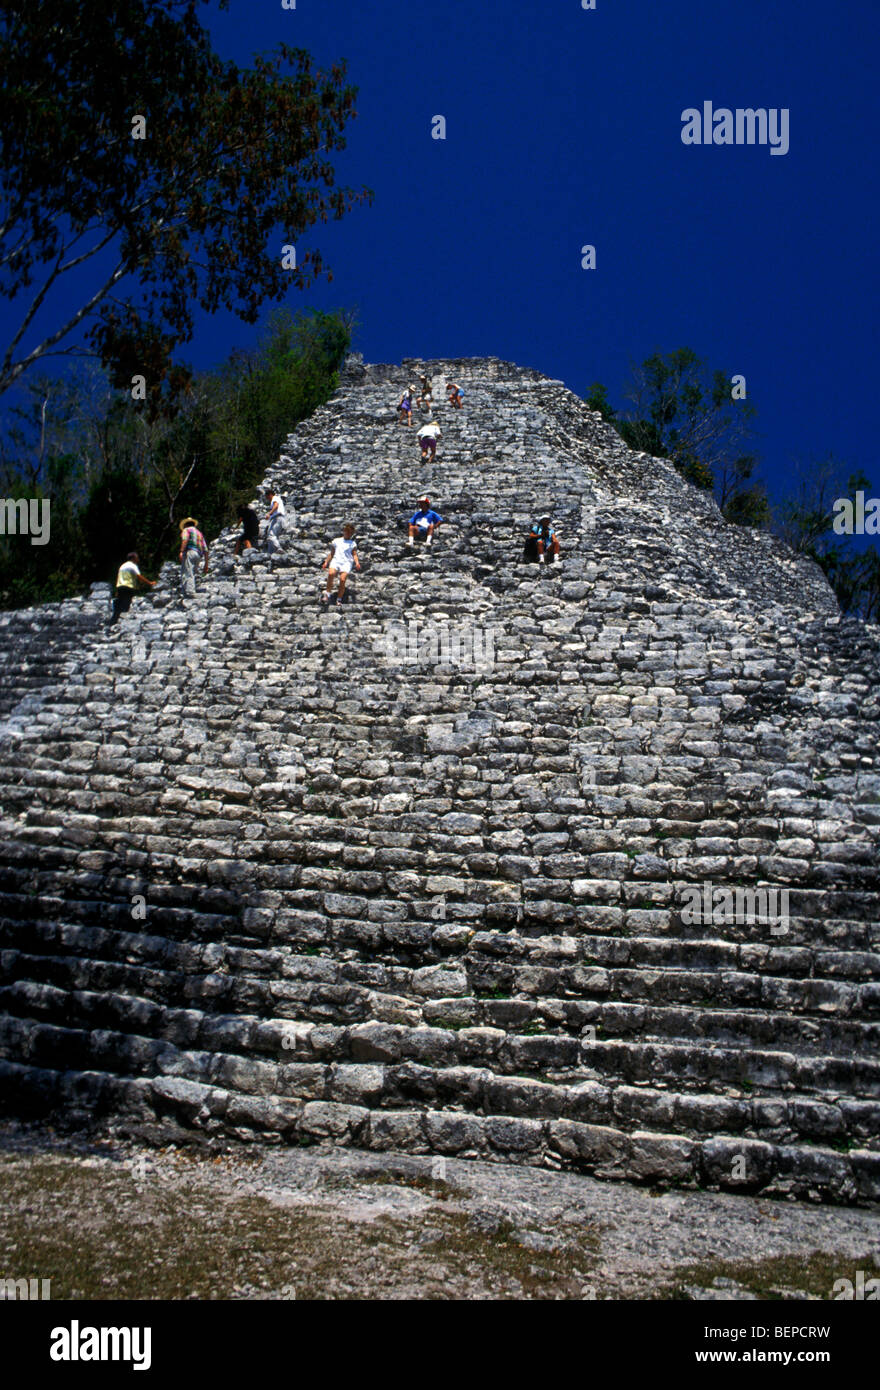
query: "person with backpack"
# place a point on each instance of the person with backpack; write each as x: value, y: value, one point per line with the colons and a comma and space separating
x: 423, y: 523
x: 426, y: 398
x: 193, y: 551
x: 427, y: 437
x: 342, y: 558
x: 404, y: 407
x: 541, y: 538
x: 127, y: 580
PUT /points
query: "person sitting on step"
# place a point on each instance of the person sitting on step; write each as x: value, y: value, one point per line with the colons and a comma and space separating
x: 343, y: 555
x: 127, y: 580
x: 455, y: 394
x: 250, y: 534
x: 404, y: 406
x: 543, y: 538
x: 427, y: 437
x: 423, y: 523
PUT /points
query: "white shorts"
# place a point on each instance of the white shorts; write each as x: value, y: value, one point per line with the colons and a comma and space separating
x: 344, y: 568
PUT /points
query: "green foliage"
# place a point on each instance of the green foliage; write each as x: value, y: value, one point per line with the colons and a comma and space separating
x: 126, y: 236
x: 597, y: 399
x: 120, y: 480
x: 684, y: 412
x: 805, y: 521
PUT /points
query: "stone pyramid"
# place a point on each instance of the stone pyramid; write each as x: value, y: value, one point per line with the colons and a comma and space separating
x: 416, y: 872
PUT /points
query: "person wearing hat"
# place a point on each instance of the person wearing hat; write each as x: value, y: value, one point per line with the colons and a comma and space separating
x: 404, y: 406
x: 545, y: 538
x: 193, y: 550
x: 127, y: 580
x: 424, y: 522
x: 426, y: 397
x: 427, y: 437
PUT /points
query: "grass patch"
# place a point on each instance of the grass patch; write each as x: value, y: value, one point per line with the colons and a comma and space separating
x: 776, y: 1277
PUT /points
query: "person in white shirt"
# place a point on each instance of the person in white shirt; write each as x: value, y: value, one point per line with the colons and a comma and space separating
x: 276, y: 523
x: 427, y: 437
x: 342, y: 558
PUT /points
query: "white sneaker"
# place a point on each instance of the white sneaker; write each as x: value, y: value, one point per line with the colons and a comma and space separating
x: 428, y: 540
x: 541, y: 560
x: 409, y: 540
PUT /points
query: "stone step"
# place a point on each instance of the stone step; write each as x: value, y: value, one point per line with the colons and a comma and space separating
x: 367, y: 848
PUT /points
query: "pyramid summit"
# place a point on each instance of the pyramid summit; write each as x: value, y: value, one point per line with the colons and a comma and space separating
x: 570, y: 865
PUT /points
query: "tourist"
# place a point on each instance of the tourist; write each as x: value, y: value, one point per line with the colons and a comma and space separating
x: 426, y: 398
x: 423, y: 523
x: 404, y: 407
x: 127, y: 580
x: 343, y: 556
x: 427, y: 437
x: 250, y: 535
x: 543, y: 538
x: 455, y: 394
x: 193, y: 550
x: 275, y: 518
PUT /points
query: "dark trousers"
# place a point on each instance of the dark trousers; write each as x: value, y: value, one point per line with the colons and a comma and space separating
x: 121, y: 602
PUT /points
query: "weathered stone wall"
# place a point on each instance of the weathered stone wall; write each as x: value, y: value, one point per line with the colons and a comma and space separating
x: 431, y: 905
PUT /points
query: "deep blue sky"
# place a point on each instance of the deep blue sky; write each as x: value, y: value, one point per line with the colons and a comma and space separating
x: 564, y: 128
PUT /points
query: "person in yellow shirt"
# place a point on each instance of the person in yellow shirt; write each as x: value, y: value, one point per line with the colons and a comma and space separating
x: 127, y: 580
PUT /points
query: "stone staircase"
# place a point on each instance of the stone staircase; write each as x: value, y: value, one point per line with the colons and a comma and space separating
x: 408, y: 872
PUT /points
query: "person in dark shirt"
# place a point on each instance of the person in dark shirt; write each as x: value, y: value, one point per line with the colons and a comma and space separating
x: 250, y: 534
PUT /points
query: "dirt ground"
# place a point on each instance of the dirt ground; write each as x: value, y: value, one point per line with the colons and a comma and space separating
x: 108, y: 1219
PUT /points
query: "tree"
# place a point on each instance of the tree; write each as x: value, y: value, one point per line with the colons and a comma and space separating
x: 684, y: 412
x: 597, y: 399
x: 143, y: 176
x: 741, y: 501
x: 119, y: 480
x: 804, y: 520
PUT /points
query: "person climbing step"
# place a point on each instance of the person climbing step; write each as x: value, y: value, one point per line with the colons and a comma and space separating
x: 404, y: 406
x: 455, y: 394
x: 193, y: 550
x: 275, y: 528
x: 127, y: 580
x: 427, y: 437
x: 423, y: 523
x: 343, y: 556
x: 250, y: 534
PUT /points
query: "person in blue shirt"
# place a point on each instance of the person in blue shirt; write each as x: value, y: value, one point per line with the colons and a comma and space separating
x: 545, y: 538
x: 423, y: 523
